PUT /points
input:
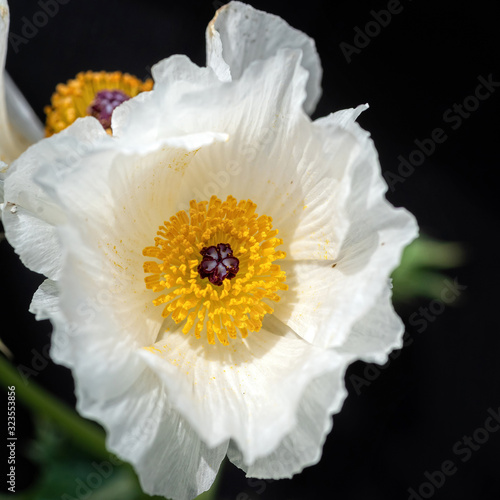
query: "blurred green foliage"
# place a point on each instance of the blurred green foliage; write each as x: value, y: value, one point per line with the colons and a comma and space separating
x: 419, y: 274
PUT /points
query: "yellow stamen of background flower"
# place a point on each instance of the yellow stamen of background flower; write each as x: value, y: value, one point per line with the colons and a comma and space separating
x: 72, y: 99
x: 240, y: 304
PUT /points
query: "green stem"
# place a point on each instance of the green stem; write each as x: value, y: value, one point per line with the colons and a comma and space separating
x: 85, y: 434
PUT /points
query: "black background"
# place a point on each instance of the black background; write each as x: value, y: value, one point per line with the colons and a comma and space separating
x: 407, y: 418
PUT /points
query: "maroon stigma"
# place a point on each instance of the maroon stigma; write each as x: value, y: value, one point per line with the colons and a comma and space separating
x: 218, y: 263
x: 104, y: 104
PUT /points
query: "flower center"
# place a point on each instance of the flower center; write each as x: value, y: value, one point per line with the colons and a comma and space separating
x: 90, y: 93
x: 239, y: 290
x: 218, y: 263
x: 104, y: 103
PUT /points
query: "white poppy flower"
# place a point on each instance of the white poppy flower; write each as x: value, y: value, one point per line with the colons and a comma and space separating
x: 215, y: 264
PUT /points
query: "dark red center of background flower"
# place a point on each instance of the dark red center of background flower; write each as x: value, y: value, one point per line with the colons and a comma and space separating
x: 218, y: 263
x: 104, y: 104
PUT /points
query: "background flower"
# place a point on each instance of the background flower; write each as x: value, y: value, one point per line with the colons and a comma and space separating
x: 407, y: 417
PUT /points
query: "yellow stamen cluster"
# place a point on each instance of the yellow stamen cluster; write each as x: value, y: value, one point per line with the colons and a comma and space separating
x: 72, y: 99
x: 240, y: 303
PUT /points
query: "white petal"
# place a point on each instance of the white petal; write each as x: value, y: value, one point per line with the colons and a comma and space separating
x: 145, y: 430
x: 163, y: 108
x: 45, y: 302
x: 180, y: 70
x: 262, y: 115
x: 302, y: 447
x: 21, y: 114
x: 30, y: 214
x: 215, y: 59
x: 258, y: 381
x: 240, y: 34
x: 18, y: 124
x: 320, y: 205
x: 334, y: 294
x: 377, y: 333
x: 33, y: 239
x: 88, y: 334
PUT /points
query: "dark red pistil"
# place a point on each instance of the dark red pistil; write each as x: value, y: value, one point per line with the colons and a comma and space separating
x: 104, y: 104
x: 218, y: 263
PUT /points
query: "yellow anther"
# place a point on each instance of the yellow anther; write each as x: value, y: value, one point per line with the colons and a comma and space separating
x: 242, y: 302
